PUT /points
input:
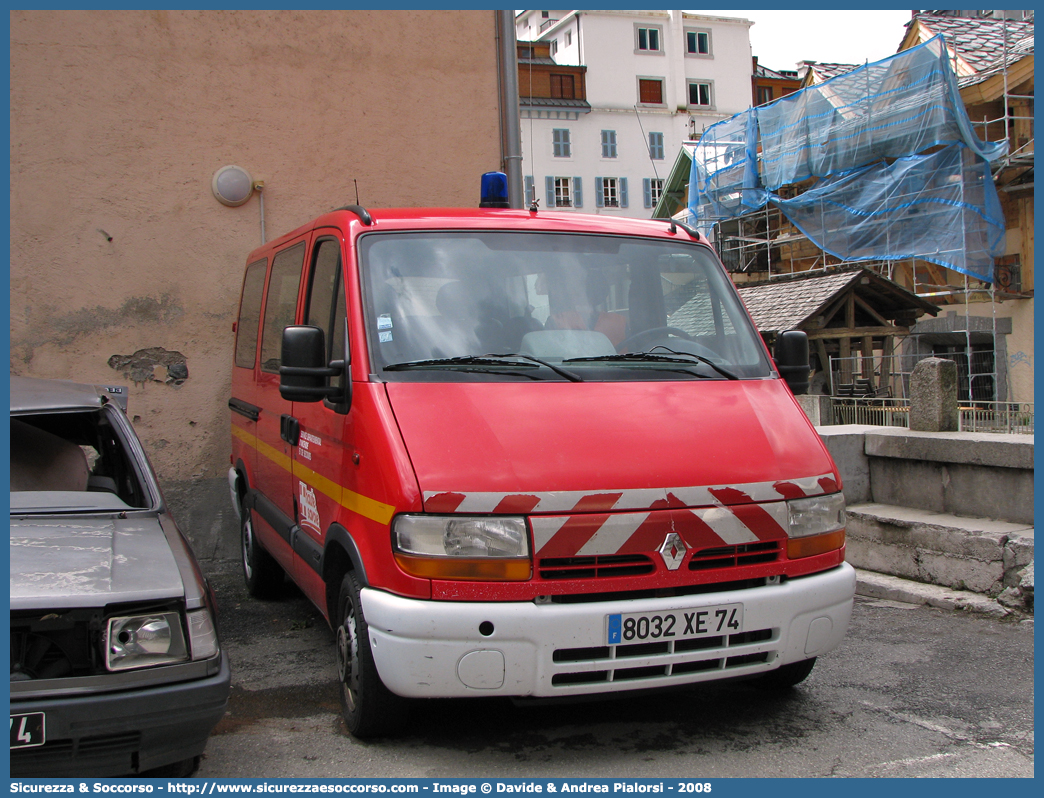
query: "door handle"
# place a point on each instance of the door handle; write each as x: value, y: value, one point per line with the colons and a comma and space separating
x: 289, y: 429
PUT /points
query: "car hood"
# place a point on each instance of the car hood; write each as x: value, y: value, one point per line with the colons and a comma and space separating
x: 543, y: 447
x: 90, y: 562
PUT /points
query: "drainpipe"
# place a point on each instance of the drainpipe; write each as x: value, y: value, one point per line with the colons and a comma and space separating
x: 510, y: 124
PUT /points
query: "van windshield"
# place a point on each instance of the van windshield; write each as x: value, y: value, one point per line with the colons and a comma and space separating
x: 486, y: 305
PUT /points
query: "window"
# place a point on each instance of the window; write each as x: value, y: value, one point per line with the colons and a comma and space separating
x: 250, y: 314
x: 648, y: 39
x: 764, y: 95
x: 697, y: 42
x: 554, y: 47
x: 656, y: 146
x: 650, y: 91
x: 653, y: 189
x: 281, y: 307
x: 562, y: 196
x: 563, y: 192
x: 700, y: 94
x: 560, y: 142
x: 611, y: 192
x: 608, y: 143
x: 563, y: 87
x: 568, y: 38
x: 326, y: 306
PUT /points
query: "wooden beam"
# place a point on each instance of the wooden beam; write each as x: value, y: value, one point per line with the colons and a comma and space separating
x: 871, y: 311
x: 856, y: 332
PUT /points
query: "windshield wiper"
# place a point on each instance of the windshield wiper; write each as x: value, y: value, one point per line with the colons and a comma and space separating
x: 484, y: 360
x: 668, y: 356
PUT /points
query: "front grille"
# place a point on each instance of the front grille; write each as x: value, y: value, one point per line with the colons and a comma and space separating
x: 58, y: 758
x: 595, y: 567
x: 605, y: 664
x: 54, y: 645
x: 733, y: 556
x: 667, y: 592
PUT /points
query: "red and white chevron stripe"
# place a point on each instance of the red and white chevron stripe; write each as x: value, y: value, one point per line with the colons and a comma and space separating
x: 579, y: 524
x: 622, y: 500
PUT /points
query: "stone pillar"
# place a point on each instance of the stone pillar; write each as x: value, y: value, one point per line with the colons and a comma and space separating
x: 933, y: 396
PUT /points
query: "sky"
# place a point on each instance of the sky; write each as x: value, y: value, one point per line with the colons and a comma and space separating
x: 781, y: 38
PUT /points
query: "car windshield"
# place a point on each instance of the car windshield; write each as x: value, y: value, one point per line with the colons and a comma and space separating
x: 72, y: 462
x: 483, y: 305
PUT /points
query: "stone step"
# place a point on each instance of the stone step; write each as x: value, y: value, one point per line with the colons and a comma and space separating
x: 982, y: 555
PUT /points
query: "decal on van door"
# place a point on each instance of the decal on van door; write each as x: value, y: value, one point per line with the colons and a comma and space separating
x: 309, y: 509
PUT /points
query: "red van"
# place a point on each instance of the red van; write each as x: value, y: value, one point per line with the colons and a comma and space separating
x: 521, y: 453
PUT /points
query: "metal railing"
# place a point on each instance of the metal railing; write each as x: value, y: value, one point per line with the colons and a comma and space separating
x: 997, y: 417
x: 1006, y: 417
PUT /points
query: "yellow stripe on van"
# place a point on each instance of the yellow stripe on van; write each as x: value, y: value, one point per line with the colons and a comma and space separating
x: 356, y: 502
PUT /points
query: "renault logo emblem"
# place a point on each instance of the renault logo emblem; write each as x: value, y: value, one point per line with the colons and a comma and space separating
x: 673, y: 551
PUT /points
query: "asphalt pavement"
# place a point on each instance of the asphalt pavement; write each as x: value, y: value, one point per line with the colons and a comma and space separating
x: 913, y: 691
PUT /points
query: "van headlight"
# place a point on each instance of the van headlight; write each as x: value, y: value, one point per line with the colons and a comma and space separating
x: 462, y: 547
x: 817, y: 525
x: 141, y: 641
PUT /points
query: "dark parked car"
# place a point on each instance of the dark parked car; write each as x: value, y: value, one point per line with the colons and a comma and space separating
x: 116, y: 667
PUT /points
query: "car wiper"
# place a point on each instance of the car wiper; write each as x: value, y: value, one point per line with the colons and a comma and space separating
x: 668, y: 356
x: 484, y: 360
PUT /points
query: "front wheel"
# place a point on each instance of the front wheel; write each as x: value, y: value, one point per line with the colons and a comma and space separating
x: 786, y: 676
x: 370, y: 709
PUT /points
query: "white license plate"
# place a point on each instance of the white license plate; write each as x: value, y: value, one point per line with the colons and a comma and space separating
x: 27, y: 730
x: 645, y: 627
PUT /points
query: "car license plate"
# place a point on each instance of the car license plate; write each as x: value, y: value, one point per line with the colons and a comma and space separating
x: 642, y: 627
x: 27, y: 730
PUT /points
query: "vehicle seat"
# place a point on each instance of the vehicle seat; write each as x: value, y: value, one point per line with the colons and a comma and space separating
x: 43, y: 461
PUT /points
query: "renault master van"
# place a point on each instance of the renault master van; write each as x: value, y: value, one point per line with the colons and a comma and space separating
x: 528, y: 454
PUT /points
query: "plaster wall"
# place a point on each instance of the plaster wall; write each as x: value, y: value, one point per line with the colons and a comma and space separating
x: 119, y: 120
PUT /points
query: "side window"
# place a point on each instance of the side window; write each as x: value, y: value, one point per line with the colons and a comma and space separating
x: 282, y: 303
x: 250, y: 314
x: 326, y: 305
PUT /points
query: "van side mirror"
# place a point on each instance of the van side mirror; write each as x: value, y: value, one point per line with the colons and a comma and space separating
x: 304, y: 373
x: 792, y: 360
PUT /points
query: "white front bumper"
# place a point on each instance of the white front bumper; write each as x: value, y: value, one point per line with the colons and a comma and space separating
x: 435, y: 649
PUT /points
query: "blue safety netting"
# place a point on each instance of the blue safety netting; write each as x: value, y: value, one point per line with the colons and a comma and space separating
x: 897, y: 168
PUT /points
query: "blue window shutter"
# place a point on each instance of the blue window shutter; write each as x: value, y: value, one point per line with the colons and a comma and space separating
x: 598, y: 192
x: 530, y: 190
x: 578, y: 194
x: 647, y: 190
x: 623, y: 192
x: 549, y: 188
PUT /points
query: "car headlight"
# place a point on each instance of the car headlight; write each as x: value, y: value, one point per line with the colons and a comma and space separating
x: 462, y: 547
x: 141, y: 641
x: 817, y: 525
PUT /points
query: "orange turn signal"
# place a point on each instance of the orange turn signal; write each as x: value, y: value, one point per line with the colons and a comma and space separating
x: 815, y: 544
x: 487, y: 569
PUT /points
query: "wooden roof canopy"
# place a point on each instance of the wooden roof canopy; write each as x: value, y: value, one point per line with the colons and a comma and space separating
x: 844, y: 312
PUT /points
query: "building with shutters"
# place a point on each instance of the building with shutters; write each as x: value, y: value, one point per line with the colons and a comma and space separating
x: 608, y: 97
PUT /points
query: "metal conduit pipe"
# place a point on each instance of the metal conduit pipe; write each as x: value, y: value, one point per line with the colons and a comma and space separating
x: 510, y: 118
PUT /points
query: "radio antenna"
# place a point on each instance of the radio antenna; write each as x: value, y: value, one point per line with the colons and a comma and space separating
x: 354, y: 180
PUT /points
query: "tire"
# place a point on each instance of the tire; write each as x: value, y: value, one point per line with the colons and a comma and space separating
x: 370, y: 709
x: 786, y: 676
x: 262, y: 574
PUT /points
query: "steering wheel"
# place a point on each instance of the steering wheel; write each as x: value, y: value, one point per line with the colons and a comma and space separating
x: 650, y: 334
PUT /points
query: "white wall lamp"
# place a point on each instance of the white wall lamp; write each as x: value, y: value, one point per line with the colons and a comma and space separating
x: 233, y: 186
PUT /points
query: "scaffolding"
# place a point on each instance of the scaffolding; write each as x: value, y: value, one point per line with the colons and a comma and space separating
x: 765, y: 242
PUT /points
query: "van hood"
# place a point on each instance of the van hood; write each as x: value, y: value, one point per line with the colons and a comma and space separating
x: 557, y: 446
x: 90, y: 562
